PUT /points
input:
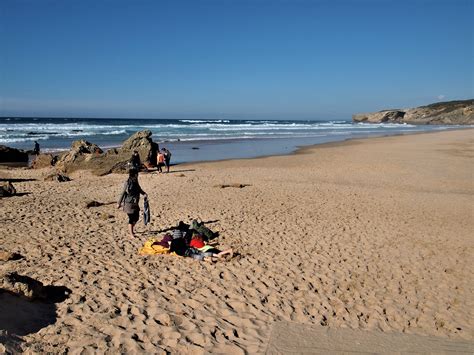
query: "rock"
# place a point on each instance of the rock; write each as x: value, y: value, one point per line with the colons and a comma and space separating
x: 239, y: 186
x: 452, y: 112
x: 87, y: 156
x: 139, y: 141
x: 31, y: 289
x: 57, y: 177
x: 7, y: 189
x: 8, y: 256
x: 105, y: 216
x: 94, y: 204
x: 10, y: 343
x: 12, y: 155
x: 43, y: 161
x: 379, y: 117
x: 118, y: 168
x: 80, y: 150
x: 112, y: 151
x: 23, y: 286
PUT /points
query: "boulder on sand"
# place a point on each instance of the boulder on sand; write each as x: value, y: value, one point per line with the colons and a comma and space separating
x: 12, y: 155
x: 22, y: 286
x: 80, y: 150
x: 88, y: 156
x: 43, y: 161
x: 31, y: 289
x: 140, y: 141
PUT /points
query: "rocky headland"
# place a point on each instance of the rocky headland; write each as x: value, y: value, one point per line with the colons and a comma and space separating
x: 446, y: 113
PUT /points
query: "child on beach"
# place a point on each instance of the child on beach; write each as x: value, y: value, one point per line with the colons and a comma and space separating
x: 161, y: 161
x: 198, y: 243
x: 129, y: 199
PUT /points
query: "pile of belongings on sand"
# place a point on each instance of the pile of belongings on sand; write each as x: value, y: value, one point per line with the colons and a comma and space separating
x: 186, y: 240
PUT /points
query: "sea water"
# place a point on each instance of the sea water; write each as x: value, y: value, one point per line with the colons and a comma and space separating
x: 195, y: 140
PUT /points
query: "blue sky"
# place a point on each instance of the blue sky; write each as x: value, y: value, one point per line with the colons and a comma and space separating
x: 299, y: 59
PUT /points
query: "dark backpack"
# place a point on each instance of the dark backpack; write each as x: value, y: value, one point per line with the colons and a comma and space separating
x: 178, y: 246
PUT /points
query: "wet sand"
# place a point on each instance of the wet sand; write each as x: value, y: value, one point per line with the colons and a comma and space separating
x: 370, y: 234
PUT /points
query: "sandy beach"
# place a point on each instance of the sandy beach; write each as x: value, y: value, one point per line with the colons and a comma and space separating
x: 371, y: 234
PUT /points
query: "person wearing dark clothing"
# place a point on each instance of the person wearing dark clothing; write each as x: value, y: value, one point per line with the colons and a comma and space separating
x: 130, y: 198
x: 36, y: 149
x: 135, y: 161
x: 167, y: 154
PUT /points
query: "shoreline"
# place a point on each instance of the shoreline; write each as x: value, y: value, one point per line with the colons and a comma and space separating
x: 298, y: 149
x: 309, y: 148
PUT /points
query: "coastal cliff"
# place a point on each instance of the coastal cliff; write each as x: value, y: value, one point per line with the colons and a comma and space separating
x: 451, y: 112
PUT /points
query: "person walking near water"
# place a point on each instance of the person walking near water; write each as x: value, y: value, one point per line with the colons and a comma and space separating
x: 129, y: 199
x: 167, y: 154
x: 161, y: 161
x: 36, y: 149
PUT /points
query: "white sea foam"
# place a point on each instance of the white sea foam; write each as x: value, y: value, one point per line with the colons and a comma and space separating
x: 62, y: 132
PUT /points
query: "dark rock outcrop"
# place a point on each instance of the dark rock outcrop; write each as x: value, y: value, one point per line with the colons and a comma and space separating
x: 31, y: 289
x: 12, y: 155
x: 452, y: 112
x: 23, y: 286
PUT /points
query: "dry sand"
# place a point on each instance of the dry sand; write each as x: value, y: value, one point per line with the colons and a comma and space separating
x: 372, y: 234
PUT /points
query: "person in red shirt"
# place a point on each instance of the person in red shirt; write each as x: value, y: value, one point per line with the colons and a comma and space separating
x: 161, y: 161
x: 197, y: 242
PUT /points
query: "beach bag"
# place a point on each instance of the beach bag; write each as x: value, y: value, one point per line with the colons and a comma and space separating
x: 201, y: 229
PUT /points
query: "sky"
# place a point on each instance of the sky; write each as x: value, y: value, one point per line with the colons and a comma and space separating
x: 260, y: 59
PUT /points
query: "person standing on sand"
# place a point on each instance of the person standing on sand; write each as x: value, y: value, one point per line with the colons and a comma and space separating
x: 36, y: 149
x: 161, y: 161
x: 129, y: 199
x: 167, y: 154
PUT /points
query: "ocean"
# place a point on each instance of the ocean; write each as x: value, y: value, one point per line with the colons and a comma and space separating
x: 195, y: 140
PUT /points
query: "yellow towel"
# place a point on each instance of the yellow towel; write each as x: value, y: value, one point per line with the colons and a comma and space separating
x: 150, y: 248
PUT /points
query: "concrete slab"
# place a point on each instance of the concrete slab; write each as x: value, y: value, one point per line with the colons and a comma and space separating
x: 294, y: 338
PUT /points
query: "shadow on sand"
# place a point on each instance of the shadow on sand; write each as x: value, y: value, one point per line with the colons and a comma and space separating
x: 20, y: 316
x: 17, y: 194
x: 12, y: 180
